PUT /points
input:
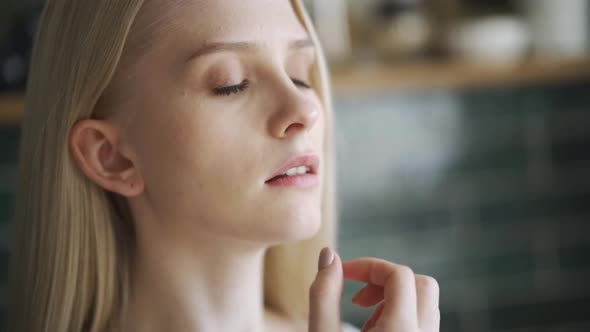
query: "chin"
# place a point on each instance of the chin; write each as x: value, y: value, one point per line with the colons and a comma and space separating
x: 297, y: 226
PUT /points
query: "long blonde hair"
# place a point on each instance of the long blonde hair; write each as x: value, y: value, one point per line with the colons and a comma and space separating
x: 73, y: 239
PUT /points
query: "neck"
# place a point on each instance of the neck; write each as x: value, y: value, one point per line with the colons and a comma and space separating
x: 207, y: 285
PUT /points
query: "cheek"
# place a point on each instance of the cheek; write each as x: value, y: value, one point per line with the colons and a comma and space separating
x: 191, y: 162
x: 168, y: 144
x: 317, y: 133
x: 183, y: 150
x: 320, y: 127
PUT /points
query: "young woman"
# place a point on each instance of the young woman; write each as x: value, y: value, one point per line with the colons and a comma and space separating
x: 176, y: 175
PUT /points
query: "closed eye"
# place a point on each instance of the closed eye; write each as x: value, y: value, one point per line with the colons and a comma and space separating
x: 229, y: 90
x: 234, y: 89
x: 301, y: 83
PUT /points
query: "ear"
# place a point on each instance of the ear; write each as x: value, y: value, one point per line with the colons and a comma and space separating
x: 96, y: 148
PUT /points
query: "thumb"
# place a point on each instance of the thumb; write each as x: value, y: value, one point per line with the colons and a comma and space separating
x: 325, y: 293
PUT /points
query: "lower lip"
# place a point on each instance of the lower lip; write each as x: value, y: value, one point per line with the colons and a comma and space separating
x: 296, y: 181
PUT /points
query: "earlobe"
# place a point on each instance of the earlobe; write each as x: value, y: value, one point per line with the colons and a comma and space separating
x: 96, y: 149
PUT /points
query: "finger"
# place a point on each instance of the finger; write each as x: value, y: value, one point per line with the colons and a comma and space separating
x: 325, y: 293
x: 372, y: 321
x: 368, y: 296
x: 398, y: 282
x: 427, y: 293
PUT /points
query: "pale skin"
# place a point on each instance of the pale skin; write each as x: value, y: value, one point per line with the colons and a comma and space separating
x: 192, y: 159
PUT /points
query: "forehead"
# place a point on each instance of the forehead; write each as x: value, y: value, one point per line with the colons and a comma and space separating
x: 207, y: 21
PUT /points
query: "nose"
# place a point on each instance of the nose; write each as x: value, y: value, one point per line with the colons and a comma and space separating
x: 296, y: 113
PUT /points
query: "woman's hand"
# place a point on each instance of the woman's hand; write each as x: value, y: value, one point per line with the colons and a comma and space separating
x: 406, y: 302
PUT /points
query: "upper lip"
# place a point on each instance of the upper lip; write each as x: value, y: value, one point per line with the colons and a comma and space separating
x: 312, y: 161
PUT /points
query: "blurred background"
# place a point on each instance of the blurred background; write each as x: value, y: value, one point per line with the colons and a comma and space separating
x: 462, y: 149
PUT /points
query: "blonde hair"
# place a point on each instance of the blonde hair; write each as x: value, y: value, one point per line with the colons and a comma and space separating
x: 73, y: 239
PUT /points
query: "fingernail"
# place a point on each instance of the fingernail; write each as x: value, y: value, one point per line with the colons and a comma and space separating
x: 326, y: 258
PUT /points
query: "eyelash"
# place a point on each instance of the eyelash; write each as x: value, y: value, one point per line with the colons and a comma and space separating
x: 229, y: 90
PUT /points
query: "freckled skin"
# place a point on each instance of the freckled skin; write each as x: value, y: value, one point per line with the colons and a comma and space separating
x: 205, y: 157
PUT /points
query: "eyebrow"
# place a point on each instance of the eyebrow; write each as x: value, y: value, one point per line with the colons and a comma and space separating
x: 244, y: 47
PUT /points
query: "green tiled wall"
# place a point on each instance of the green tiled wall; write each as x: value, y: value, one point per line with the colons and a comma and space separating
x: 487, y: 190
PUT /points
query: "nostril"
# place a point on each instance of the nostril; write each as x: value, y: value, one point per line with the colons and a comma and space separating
x: 294, y: 126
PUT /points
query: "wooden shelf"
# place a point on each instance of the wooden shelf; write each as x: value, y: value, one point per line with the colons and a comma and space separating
x: 11, y: 108
x: 360, y: 79
x: 367, y: 78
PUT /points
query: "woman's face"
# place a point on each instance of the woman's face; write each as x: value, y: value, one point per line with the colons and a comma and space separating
x: 218, y: 101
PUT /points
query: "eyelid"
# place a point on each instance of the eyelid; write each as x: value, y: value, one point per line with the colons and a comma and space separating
x: 232, y: 89
x: 301, y: 83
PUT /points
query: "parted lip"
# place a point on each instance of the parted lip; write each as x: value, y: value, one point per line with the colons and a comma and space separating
x: 312, y: 161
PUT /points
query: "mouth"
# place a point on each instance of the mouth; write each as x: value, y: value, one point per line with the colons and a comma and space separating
x: 296, y: 168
